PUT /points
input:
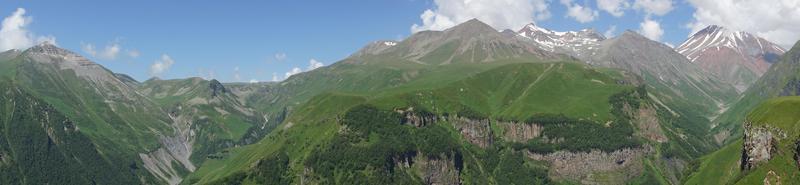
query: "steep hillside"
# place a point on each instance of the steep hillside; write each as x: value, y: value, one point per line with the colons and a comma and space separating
x: 675, y: 78
x: 768, y: 152
x: 217, y: 119
x: 781, y: 79
x: 736, y: 57
x: 682, y: 86
x: 40, y: 145
x: 480, y: 129
x: 122, y: 124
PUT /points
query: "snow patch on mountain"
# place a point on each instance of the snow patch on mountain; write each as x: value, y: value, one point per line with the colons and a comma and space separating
x: 576, y: 43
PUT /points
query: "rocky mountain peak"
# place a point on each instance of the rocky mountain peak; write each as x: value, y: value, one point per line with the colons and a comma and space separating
x: 473, y: 27
x: 48, y: 48
x: 216, y: 88
x: 578, y: 44
x: 737, y: 56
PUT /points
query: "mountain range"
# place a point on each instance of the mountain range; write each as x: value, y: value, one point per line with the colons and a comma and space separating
x: 466, y: 105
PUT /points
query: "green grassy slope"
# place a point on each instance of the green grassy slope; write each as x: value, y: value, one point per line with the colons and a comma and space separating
x: 723, y: 166
x: 313, y: 134
x: 720, y: 167
x: 115, y: 121
x: 782, y: 113
x: 218, y: 118
x: 40, y: 145
x: 781, y: 79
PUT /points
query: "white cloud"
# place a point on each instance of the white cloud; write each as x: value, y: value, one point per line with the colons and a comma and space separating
x: 275, y: 77
x: 500, y: 14
x: 669, y: 44
x: 614, y: 7
x: 15, y: 35
x: 582, y: 14
x: 280, y: 56
x: 252, y: 81
x: 654, y: 7
x: 651, y: 29
x: 314, y: 64
x: 110, y: 52
x: 294, y: 71
x: 134, y: 53
x: 89, y: 49
x: 161, y: 65
x: 611, y: 32
x: 777, y: 21
x: 236, y: 75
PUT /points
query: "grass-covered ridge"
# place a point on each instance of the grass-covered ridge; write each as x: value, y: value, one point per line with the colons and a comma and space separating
x: 320, y: 133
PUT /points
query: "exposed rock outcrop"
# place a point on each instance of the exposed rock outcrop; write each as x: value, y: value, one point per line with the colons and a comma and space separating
x: 587, y: 167
x: 417, y: 118
x: 477, y: 132
x: 520, y: 132
x: 646, y: 120
x: 433, y: 171
x: 175, y: 149
x: 760, y: 144
x: 216, y: 88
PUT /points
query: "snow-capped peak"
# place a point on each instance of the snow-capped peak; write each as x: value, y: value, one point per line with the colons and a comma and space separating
x: 575, y: 43
x: 389, y: 43
x: 716, y: 37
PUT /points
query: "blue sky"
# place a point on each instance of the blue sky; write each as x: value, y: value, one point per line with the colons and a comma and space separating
x: 218, y: 37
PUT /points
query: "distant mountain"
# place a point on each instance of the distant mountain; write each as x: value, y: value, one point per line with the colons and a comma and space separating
x: 664, y: 69
x: 217, y: 119
x: 680, y: 83
x: 116, y: 130
x: 481, y: 94
x: 469, y: 42
x: 579, y: 44
x: 736, y: 57
x: 782, y: 79
x: 121, y: 126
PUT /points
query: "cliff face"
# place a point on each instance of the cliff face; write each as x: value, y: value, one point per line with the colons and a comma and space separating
x: 520, y: 132
x: 760, y: 144
x: 586, y: 167
x: 477, y: 132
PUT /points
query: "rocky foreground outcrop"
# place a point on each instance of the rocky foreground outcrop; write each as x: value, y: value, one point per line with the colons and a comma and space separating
x: 760, y: 144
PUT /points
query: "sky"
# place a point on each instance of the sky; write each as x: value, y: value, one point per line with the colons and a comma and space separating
x: 251, y: 41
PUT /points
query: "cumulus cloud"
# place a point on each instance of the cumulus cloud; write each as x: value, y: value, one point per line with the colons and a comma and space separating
x: 582, y: 14
x: 280, y: 57
x: 110, y: 52
x: 294, y: 71
x: 252, y: 81
x: 777, y: 21
x: 610, y: 32
x: 314, y: 64
x: 651, y: 29
x: 14, y: 33
x: 500, y: 14
x: 161, y: 65
x: 614, y: 7
x: 654, y: 7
